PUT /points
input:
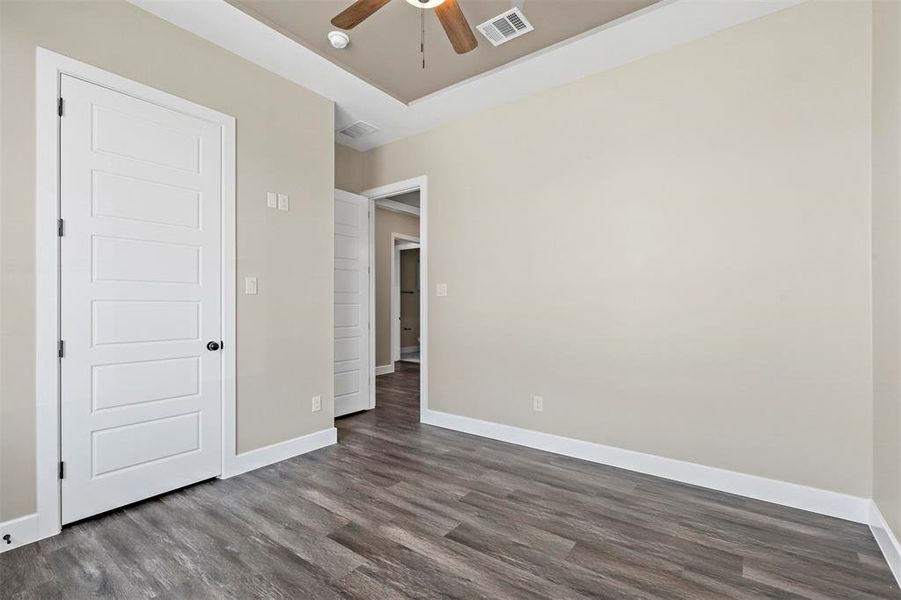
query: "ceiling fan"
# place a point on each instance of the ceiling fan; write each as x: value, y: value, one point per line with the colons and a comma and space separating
x: 448, y: 11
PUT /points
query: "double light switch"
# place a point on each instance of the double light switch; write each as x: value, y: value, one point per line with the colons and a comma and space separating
x: 279, y: 201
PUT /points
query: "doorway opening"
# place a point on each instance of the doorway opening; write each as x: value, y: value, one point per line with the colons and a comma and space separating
x: 405, y: 290
x: 400, y: 272
x: 381, y: 329
x: 396, y: 263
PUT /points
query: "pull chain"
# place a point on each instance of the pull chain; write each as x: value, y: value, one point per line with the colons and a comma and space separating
x: 422, y: 35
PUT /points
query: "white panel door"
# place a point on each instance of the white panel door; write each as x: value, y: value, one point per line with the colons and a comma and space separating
x: 140, y: 278
x: 352, y: 330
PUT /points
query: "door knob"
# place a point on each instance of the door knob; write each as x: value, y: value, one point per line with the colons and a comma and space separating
x: 212, y: 346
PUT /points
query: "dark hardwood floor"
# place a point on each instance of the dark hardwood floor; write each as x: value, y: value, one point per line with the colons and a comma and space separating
x: 398, y: 510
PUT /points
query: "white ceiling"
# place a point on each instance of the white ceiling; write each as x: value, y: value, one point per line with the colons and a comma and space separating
x: 658, y: 27
x: 409, y: 198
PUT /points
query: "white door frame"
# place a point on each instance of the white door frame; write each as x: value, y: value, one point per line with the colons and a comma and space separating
x: 411, y: 242
x: 420, y: 183
x: 50, y: 67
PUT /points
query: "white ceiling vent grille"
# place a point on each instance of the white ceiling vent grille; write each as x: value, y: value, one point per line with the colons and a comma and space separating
x: 358, y: 129
x: 505, y: 27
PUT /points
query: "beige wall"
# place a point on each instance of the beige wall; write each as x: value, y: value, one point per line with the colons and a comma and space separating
x: 386, y: 223
x: 675, y: 253
x: 348, y: 169
x: 284, y: 143
x: 887, y: 259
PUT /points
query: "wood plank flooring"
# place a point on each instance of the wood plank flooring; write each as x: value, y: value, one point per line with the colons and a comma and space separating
x: 402, y: 510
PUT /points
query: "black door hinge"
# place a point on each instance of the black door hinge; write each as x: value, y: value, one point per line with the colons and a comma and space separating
x: 61, y: 348
x: 62, y: 469
x: 59, y: 107
x: 60, y: 228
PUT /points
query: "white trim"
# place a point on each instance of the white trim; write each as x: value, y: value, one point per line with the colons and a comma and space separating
x: 261, y: 457
x: 833, y: 504
x: 47, y: 330
x: 372, y: 330
x: 398, y: 207
x: 886, y: 540
x: 384, y: 369
x: 229, y: 298
x: 394, y: 295
x: 653, y: 29
x: 23, y: 530
x: 409, y: 349
x: 50, y: 66
x: 420, y: 183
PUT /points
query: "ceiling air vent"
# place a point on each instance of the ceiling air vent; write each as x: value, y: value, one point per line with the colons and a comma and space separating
x: 505, y: 27
x: 358, y: 129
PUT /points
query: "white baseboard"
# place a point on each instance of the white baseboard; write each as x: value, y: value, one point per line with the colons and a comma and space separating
x: 21, y: 531
x: 833, y: 504
x: 384, y: 369
x: 24, y: 530
x: 261, y: 457
x: 887, y: 541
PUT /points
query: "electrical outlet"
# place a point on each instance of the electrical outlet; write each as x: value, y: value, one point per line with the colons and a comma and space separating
x: 537, y: 403
x: 250, y: 286
x: 317, y: 403
x: 284, y: 202
x: 271, y: 200
x: 441, y: 290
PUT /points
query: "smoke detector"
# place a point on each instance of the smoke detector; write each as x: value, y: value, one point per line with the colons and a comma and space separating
x: 505, y: 27
x: 358, y: 129
x: 338, y: 39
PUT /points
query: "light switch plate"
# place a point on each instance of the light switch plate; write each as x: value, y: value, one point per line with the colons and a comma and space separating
x: 271, y: 200
x: 441, y: 289
x: 250, y: 286
x: 538, y: 403
x: 284, y: 203
x: 317, y: 403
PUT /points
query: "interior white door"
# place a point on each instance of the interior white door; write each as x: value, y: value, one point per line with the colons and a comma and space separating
x: 140, y: 279
x: 352, y: 328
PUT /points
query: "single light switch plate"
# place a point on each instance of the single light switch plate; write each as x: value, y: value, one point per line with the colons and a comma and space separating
x: 271, y: 200
x: 317, y: 403
x: 538, y: 403
x: 284, y: 203
x: 441, y: 289
x: 250, y: 286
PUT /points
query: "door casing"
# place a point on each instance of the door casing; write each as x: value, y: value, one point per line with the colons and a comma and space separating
x: 50, y: 66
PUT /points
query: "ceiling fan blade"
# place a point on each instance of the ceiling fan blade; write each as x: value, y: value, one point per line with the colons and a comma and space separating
x: 357, y: 12
x: 456, y: 26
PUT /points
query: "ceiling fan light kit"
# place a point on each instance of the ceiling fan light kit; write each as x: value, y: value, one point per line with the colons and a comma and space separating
x: 448, y: 12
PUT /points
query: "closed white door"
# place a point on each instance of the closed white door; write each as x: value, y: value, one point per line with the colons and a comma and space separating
x: 352, y: 329
x: 141, y: 299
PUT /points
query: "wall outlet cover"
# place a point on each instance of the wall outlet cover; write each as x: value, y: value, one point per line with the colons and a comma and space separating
x: 250, y: 286
x: 441, y: 290
x: 284, y: 202
x: 271, y: 200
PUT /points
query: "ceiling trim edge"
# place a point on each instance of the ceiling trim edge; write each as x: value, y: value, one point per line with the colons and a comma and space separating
x: 646, y: 32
